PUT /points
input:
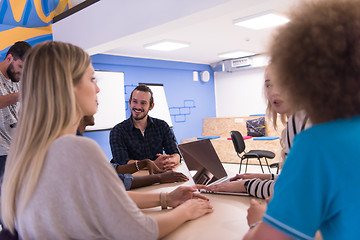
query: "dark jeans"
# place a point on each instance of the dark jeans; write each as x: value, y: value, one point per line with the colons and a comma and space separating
x: 2, y: 165
x: 2, y: 168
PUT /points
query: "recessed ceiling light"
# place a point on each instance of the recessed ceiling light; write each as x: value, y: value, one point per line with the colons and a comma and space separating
x: 260, y: 21
x: 166, y: 45
x: 235, y: 54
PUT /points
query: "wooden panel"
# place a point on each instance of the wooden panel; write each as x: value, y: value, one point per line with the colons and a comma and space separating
x: 223, y: 126
x: 224, y: 147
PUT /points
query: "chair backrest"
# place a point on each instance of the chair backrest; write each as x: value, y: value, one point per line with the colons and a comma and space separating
x: 238, y: 141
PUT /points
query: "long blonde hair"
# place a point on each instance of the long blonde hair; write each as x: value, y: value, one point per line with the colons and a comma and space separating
x: 48, y: 106
x: 270, y: 111
x: 274, y: 116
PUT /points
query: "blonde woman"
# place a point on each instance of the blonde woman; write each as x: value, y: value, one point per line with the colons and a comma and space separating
x: 60, y: 186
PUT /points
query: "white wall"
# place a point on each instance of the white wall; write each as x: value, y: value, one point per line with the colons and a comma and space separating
x: 240, y: 93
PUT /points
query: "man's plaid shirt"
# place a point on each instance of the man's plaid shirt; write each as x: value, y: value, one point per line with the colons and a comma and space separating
x: 128, y: 143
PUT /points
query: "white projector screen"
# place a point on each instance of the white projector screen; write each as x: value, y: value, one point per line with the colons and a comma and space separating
x: 111, y: 99
x: 161, y: 108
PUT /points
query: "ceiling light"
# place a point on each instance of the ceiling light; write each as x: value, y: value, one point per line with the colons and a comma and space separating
x: 235, y: 54
x: 260, y: 21
x: 166, y: 45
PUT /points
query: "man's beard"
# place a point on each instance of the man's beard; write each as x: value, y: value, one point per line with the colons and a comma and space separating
x: 11, y: 73
x: 142, y: 117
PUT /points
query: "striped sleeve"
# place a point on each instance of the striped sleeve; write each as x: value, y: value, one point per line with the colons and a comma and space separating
x: 260, y: 188
x: 296, y: 123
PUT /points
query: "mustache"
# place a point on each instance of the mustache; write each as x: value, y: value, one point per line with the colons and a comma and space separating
x: 138, y: 109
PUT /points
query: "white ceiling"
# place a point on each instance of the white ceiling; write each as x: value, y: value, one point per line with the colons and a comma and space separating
x: 209, y: 32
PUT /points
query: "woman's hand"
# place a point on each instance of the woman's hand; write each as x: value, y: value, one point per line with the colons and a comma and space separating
x: 255, y: 212
x: 195, y: 208
x: 189, y: 210
x: 171, y: 176
x: 234, y: 186
x: 262, y: 176
x: 182, y: 194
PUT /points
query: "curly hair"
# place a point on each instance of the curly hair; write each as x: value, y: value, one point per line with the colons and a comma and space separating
x: 316, y: 58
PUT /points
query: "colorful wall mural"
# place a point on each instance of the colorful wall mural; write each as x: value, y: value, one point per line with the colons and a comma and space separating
x: 28, y: 20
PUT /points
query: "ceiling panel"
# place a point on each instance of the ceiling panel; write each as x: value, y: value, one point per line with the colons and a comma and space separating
x: 209, y: 32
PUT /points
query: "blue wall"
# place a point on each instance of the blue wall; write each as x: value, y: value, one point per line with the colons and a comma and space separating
x: 189, y: 101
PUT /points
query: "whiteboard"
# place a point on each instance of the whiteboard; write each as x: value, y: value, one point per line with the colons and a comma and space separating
x: 111, y: 99
x: 161, y: 108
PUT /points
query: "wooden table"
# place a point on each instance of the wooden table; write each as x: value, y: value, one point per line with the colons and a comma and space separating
x: 228, y: 221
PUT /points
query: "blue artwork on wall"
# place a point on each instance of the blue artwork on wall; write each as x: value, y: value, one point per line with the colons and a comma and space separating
x: 179, y: 113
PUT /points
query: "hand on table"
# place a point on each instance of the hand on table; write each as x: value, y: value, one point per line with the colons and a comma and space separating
x: 195, y: 208
x: 182, y: 194
x: 152, y: 167
x: 262, y: 176
x: 255, y: 211
x: 167, y: 162
x: 234, y: 186
x: 171, y: 176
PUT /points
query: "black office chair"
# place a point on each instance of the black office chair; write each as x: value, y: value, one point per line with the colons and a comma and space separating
x: 275, y: 165
x: 239, y: 145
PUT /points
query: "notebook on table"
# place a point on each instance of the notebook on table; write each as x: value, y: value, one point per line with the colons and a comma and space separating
x: 204, y: 165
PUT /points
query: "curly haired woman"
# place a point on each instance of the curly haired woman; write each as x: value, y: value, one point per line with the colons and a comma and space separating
x: 315, y: 57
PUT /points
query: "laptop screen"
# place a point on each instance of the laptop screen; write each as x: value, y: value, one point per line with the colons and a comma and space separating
x: 202, y: 161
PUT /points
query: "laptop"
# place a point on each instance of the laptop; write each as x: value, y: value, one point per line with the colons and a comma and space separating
x: 204, y: 165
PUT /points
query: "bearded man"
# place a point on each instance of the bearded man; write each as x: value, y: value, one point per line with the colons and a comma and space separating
x: 10, y: 73
x: 143, y: 137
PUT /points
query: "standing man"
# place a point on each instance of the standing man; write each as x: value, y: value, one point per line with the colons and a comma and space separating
x: 143, y: 137
x: 10, y: 73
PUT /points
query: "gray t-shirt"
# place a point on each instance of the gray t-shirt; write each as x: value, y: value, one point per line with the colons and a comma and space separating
x: 8, y: 115
x: 79, y: 196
